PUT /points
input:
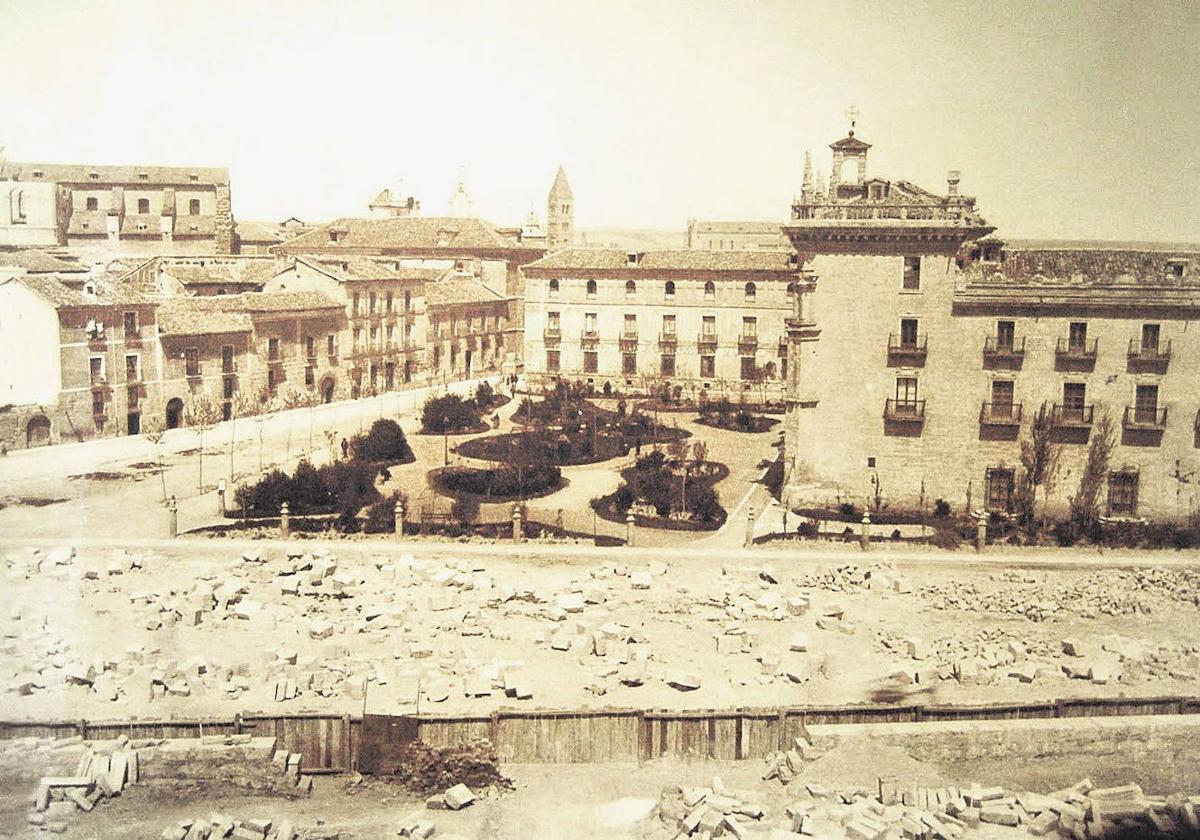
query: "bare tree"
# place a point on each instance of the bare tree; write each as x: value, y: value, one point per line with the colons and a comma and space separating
x: 678, y: 451
x: 268, y: 407
x: 1085, y: 504
x: 153, y: 429
x: 1039, y: 462
x: 239, y: 406
x: 202, y: 414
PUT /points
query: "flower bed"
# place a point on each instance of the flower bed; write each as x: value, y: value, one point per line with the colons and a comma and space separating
x: 653, y: 491
x: 498, y: 484
x: 742, y: 421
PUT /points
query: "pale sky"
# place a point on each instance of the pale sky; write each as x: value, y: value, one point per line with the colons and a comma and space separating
x: 1068, y: 119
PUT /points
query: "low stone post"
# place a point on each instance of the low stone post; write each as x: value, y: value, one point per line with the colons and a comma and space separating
x: 629, y: 529
x: 285, y: 521
x: 864, y: 539
x: 399, y: 519
x: 751, y: 518
x: 981, y: 521
x: 516, y: 522
x: 221, y: 497
x: 172, y: 518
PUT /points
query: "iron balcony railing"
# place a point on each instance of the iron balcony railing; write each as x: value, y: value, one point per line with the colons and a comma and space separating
x: 1142, y: 352
x: 707, y: 341
x: 914, y: 350
x: 905, y: 411
x: 1145, y: 417
x: 1067, y: 349
x: 1000, y: 414
x: 1072, y: 416
x: 1013, y: 348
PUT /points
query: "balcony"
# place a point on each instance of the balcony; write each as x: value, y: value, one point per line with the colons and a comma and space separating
x: 1009, y: 353
x: 904, y: 411
x: 310, y: 359
x: 590, y: 340
x: 1000, y: 414
x: 1144, y: 418
x: 667, y: 342
x: 133, y: 336
x: 1072, y: 416
x: 747, y: 345
x: 906, y: 353
x: 552, y: 336
x: 707, y: 343
x: 1152, y: 358
x: 628, y: 341
x: 1077, y: 355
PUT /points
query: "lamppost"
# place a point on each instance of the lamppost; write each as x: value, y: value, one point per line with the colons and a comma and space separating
x: 445, y: 441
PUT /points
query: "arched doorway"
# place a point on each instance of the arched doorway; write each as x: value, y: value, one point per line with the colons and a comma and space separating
x: 174, y: 413
x: 327, y: 388
x: 37, y: 432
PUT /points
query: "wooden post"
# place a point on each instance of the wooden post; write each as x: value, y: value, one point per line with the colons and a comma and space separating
x: 285, y: 521
x: 516, y: 522
x: 750, y: 519
x: 399, y: 520
x: 864, y: 539
x: 347, y: 747
x: 629, y: 529
x: 980, y: 530
x: 221, y: 497
x: 172, y: 518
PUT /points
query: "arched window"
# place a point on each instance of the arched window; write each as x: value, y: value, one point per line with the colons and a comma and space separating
x: 17, y: 206
x: 751, y: 291
x: 669, y: 288
x: 591, y: 288
x: 553, y: 288
x: 710, y: 290
x: 630, y: 288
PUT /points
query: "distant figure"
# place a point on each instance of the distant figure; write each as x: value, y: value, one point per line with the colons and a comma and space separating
x: 637, y: 449
x: 496, y: 420
x: 3, y: 449
x: 345, y: 448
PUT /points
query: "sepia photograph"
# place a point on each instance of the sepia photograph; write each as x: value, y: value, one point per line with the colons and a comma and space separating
x: 600, y: 419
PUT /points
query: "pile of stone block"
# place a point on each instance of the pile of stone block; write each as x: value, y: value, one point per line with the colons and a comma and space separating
x: 102, y: 772
x: 712, y: 811
x: 217, y: 826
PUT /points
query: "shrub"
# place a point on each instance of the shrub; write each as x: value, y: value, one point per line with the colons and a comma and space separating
x: 384, y: 441
x: 381, y: 516
x: 848, y: 509
x: 947, y: 537
x: 465, y: 509
x: 345, y: 485
x: 941, y: 508
x: 484, y: 395
x: 503, y: 481
x: 450, y: 413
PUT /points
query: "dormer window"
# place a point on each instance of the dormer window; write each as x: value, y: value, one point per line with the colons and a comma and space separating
x: 793, y: 259
x: 876, y: 192
x: 192, y: 176
x: 630, y: 288
x: 1177, y: 268
x: 95, y: 176
x: 333, y: 236
x: 93, y: 203
x: 553, y: 288
x: 751, y: 291
x: 631, y: 258
x: 141, y: 226
x: 37, y: 173
x: 143, y: 176
x: 669, y: 289
x: 591, y: 289
x: 143, y: 205
x: 89, y: 288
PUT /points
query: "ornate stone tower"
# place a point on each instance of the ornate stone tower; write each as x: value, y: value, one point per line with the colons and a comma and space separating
x: 560, y: 213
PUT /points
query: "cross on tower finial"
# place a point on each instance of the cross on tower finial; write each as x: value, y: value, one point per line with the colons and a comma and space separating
x: 852, y: 115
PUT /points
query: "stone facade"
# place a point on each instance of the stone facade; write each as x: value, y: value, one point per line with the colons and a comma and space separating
x: 695, y: 322
x: 922, y: 350
x: 736, y: 236
x: 117, y: 209
x: 560, y: 213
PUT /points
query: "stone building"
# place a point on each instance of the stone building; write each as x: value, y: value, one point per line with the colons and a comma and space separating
x: 88, y: 359
x: 116, y: 209
x: 467, y: 246
x: 693, y: 321
x: 560, y: 213
x: 922, y: 348
x: 470, y: 329
x: 736, y: 236
x: 202, y: 275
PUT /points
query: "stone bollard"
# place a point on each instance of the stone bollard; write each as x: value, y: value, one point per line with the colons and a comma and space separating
x: 221, y: 497
x: 864, y: 539
x: 399, y: 520
x: 751, y: 517
x: 981, y: 521
x: 172, y: 518
x: 285, y: 521
x: 516, y: 522
x: 629, y: 529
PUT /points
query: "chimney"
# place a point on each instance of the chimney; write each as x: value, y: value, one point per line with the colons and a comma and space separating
x: 952, y: 180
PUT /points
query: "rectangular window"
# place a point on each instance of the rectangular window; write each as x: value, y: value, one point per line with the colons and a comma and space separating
x: 389, y: 302
x: 437, y: 355
x: 630, y: 327
x: 331, y: 345
x: 667, y: 365
x: 93, y: 203
x: 143, y: 205
x: 553, y: 323
x: 227, y: 364
x: 590, y: 361
x: 1077, y: 337
x: 998, y: 489
x: 374, y: 338
x: 273, y: 349
x: 354, y: 303
x: 906, y: 390
x: 309, y: 376
x: 194, y: 207
x: 228, y: 387
x: 132, y: 368
x: 1150, y: 334
x: 310, y: 347
x: 1145, y: 404
x: 98, y: 403
x: 908, y: 332
x: 1006, y: 334
x: 748, y: 368
x: 589, y: 323
x: 391, y: 335
x: 272, y: 379
x: 1074, y: 400
x: 357, y: 334
x: 1002, y: 398
x: 1122, y: 493
x: 629, y: 363
x: 191, y: 361
x: 668, y: 325
x: 708, y: 367
x: 371, y: 303
x: 552, y: 361
x: 912, y: 273
x: 96, y: 369
x: 750, y: 327
x: 131, y: 325
x: 708, y: 326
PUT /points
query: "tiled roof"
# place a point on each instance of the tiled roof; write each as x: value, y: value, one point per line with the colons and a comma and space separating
x: 560, y: 189
x: 765, y: 228
x: 257, y: 232
x: 88, y: 223
x: 286, y: 301
x: 228, y: 271
x: 351, y: 269
x: 452, y: 235
x: 60, y: 296
x: 80, y: 173
x: 190, y: 316
x: 195, y: 225
x: 650, y: 261
x: 38, y: 262
x: 850, y: 143
x: 454, y: 288
x: 141, y: 224
x: 1089, y: 267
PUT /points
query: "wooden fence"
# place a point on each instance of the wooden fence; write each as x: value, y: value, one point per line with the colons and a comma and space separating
x: 330, y: 743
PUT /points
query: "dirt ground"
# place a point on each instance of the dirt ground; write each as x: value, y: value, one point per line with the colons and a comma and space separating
x: 434, y: 625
